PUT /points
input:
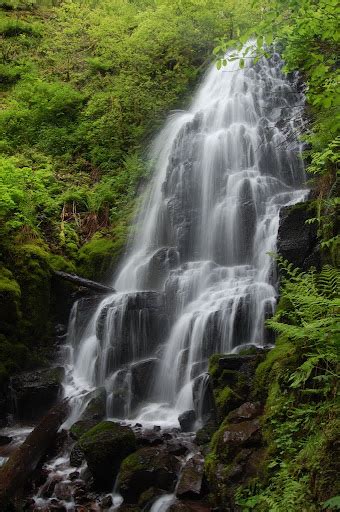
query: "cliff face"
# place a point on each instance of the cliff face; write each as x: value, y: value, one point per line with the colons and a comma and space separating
x: 297, y: 237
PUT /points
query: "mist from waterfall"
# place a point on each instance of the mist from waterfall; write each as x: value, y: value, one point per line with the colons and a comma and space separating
x: 197, y: 278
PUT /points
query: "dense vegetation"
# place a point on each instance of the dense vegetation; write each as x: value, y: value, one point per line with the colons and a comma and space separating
x: 83, y: 87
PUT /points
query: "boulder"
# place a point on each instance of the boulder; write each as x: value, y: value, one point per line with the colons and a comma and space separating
x: 297, y: 241
x: 80, y: 427
x: 62, y: 491
x: 190, y: 506
x: 241, y: 435
x: 187, y: 421
x: 96, y: 407
x: 149, y: 438
x: 5, y: 440
x: 104, y: 447
x: 35, y: 392
x: 76, y: 456
x: 142, y: 376
x: 246, y: 411
x: 148, y: 467
x: 23, y: 462
x: 190, y: 483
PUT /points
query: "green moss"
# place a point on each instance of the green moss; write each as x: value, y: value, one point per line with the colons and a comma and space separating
x: 33, y: 273
x: 10, y: 294
x: 276, y: 362
x: 98, y: 433
x: 97, y: 257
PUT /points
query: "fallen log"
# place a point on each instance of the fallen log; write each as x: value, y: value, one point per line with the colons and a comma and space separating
x: 86, y: 283
x: 21, y: 464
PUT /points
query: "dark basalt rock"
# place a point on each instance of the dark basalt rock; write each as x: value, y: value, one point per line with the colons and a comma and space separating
x: 190, y: 484
x: 76, y: 456
x: 148, y: 467
x: 297, y: 241
x: 204, y: 401
x: 35, y: 392
x: 187, y: 421
x: 241, y: 435
x: 104, y: 447
x: 5, y: 440
x: 160, y: 264
x: 149, y: 438
x: 142, y: 374
x: 143, y: 323
x: 96, y: 407
x: 246, y: 411
x: 81, y: 427
x: 190, y: 506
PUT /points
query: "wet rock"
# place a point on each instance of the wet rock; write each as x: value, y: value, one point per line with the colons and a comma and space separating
x: 62, y: 491
x: 106, y: 502
x: 241, y: 435
x: 175, y: 447
x: 297, y: 241
x: 74, y: 475
x: 48, y: 488
x: 35, y: 392
x: 149, y: 438
x: 159, y: 265
x: 56, y: 506
x: 190, y: 484
x: 144, y: 323
x: 246, y: 411
x: 142, y: 375
x: 149, y: 496
x: 190, y: 506
x: 60, y: 329
x: 187, y: 421
x: 81, y: 427
x: 96, y: 407
x: 104, y: 447
x: 234, y: 361
x: 76, y: 456
x: 204, y: 401
x: 148, y: 467
x: 5, y: 440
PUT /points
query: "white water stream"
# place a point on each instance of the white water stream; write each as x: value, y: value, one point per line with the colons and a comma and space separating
x: 197, y: 278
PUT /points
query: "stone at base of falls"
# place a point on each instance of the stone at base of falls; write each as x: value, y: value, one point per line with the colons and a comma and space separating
x: 18, y: 469
x: 104, y: 447
x: 5, y: 440
x: 190, y: 506
x: 187, y: 421
x: 96, y: 408
x: 35, y: 392
x: 190, y: 483
x: 146, y: 468
x: 80, y: 428
x: 76, y: 456
x: 297, y: 241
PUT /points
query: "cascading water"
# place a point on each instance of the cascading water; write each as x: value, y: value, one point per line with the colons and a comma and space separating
x: 197, y: 278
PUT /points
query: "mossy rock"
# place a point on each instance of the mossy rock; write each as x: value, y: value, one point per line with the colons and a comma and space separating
x: 104, y: 447
x: 97, y: 257
x: 10, y: 294
x: 33, y: 273
x: 79, y: 428
x: 282, y: 357
x: 148, y: 467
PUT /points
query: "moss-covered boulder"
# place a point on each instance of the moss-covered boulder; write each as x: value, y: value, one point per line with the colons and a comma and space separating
x: 96, y: 407
x: 104, y: 447
x: 146, y: 468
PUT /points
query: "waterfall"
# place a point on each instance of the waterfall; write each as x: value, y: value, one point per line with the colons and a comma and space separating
x: 197, y: 278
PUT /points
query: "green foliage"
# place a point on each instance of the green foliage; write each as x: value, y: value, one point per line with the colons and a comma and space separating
x: 299, y: 378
